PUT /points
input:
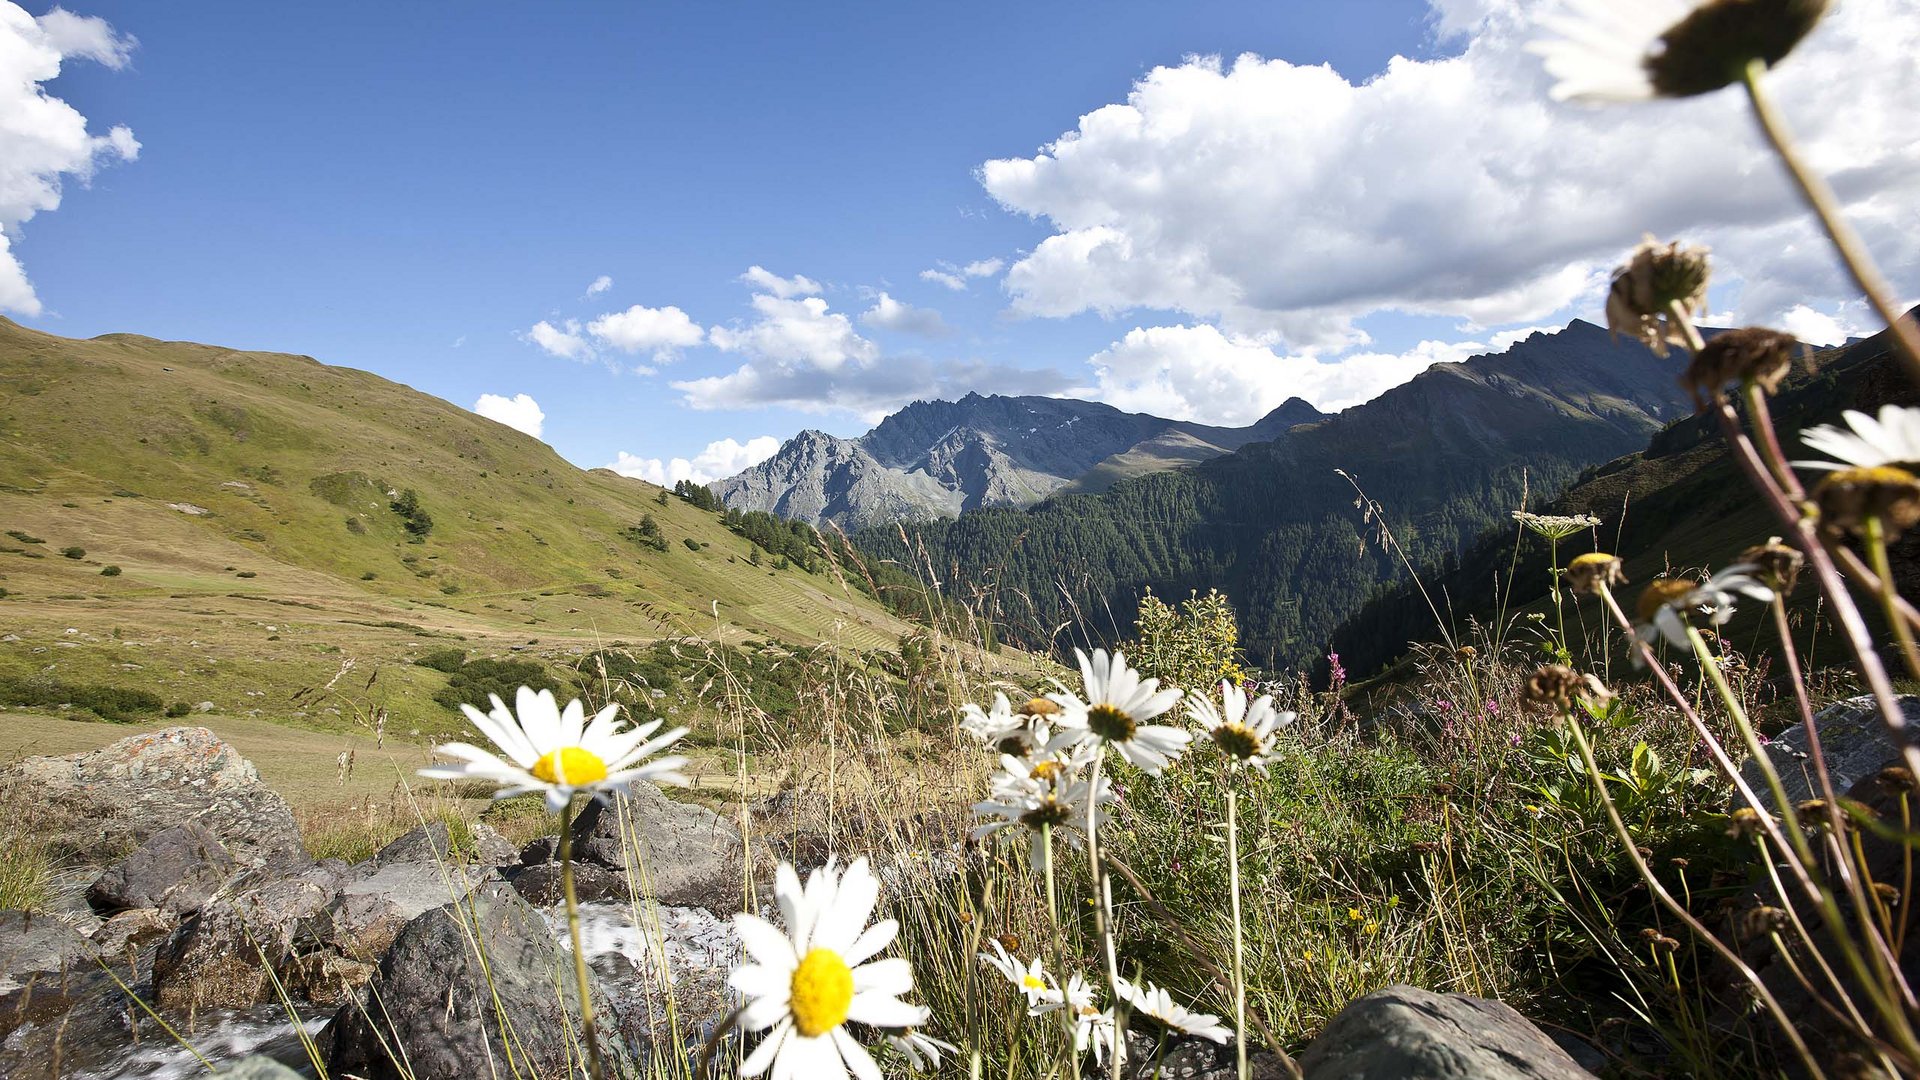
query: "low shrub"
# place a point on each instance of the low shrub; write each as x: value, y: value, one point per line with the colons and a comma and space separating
x: 109, y: 571
x: 117, y: 703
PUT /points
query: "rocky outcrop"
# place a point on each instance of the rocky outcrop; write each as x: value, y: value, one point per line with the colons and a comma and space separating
x: 938, y: 458
x: 1853, y: 741
x: 177, y: 870
x: 37, y: 944
x: 410, y: 876
x: 105, y: 803
x: 678, y: 853
x: 1406, y: 1033
x: 222, y: 956
x: 434, y: 1004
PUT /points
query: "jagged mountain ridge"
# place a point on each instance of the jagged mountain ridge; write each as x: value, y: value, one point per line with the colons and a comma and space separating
x: 938, y: 458
x: 1275, y: 526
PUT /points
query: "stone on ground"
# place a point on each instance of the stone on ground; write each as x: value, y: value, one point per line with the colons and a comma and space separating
x: 177, y: 870
x: 1406, y: 1033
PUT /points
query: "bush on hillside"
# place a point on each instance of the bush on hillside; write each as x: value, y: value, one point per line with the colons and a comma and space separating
x: 117, y: 703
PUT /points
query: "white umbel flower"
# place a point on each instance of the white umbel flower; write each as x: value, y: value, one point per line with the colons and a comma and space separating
x: 1151, y: 1001
x: 1116, y: 707
x: 1244, y: 732
x: 559, y: 752
x: 808, y: 983
x: 1029, y: 979
x: 1892, y: 438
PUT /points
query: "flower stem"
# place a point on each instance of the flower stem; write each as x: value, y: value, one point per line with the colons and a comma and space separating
x: 598, y: 1069
x: 1853, y: 254
x: 1239, y: 944
x: 1679, y: 910
x: 1058, y: 933
x: 1103, y: 905
x: 1877, y: 553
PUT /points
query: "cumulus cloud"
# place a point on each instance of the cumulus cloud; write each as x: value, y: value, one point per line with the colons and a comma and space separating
x: 797, y: 331
x: 717, y: 462
x: 44, y: 140
x: 890, y: 314
x: 1199, y: 373
x: 955, y: 277
x: 1289, y: 201
x: 519, y: 412
x: 785, y: 288
x: 563, y: 341
x: 599, y: 285
x: 660, y: 331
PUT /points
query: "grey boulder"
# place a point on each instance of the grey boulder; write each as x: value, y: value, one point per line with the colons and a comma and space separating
x: 1406, y: 1033
x: 176, y: 870
x: 33, y: 943
x: 107, y: 802
x: 679, y: 853
x: 1853, y: 741
x: 221, y: 957
x: 439, y: 1009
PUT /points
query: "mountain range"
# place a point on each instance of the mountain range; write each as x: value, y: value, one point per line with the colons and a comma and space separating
x: 1301, y: 528
x: 936, y: 459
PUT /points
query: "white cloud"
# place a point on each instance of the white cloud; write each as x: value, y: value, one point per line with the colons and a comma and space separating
x: 1818, y: 327
x: 660, y: 331
x: 717, y: 462
x: 1281, y: 199
x: 955, y: 277
x: 42, y: 138
x: 519, y: 412
x: 600, y: 284
x: 890, y: 314
x: 562, y: 341
x: 785, y: 288
x: 1199, y: 373
x: 800, y: 331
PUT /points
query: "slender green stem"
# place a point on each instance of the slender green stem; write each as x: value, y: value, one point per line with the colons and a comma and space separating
x: 581, y: 982
x: 1853, y: 253
x: 1780, y: 1017
x: 1103, y: 904
x: 1877, y: 554
x: 1560, y: 619
x: 1058, y: 934
x: 1876, y: 983
x: 1239, y: 943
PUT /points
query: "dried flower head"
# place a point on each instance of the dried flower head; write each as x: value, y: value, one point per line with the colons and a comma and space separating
x: 1657, y: 279
x: 1744, y: 823
x: 1775, y: 563
x: 1632, y: 50
x: 1658, y: 941
x: 1888, y: 895
x: 1761, y: 921
x: 1849, y: 498
x: 1593, y: 571
x: 1556, y: 685
x: 1895, y: 779
x: 1750, y: 354
x: 1555, y: 526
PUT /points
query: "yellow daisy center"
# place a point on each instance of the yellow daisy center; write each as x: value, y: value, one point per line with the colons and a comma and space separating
x: 1029, y: 981
x: 1110, y: 723
x: 822, y: 993
x: 570, y: 765
x: 1238, y: 740
x: 1047, y: 770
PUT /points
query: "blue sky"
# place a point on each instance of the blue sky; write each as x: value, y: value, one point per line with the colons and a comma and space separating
x: 412, y: 189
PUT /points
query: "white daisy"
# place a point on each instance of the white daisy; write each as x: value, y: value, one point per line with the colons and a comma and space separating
x: 992, y: 726
x: 1892, y: 439
x: 1151, y: 1001
x: 1666, y: 603
x: 807, y: 984
x: 1244, y: 732
x: 1116, y: 707
x: 1047, y: 788
x: 559, y: 752
x: 1634, y: 50
x: 922, y: 1051
x: 1029, y: 979
x: 1092, y: 1026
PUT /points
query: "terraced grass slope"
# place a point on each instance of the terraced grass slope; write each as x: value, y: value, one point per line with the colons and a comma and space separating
x: 226, y: 526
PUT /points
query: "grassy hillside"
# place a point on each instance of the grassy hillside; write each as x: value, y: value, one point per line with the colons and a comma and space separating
x: 231, y: 527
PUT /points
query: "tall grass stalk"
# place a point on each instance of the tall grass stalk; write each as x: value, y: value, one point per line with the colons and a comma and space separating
x: 1239, y: 937
x: 584, y: 984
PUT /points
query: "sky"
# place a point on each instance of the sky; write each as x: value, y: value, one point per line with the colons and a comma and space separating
x: 665, y: 237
